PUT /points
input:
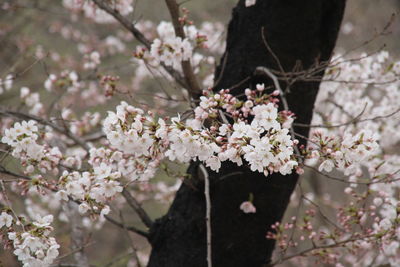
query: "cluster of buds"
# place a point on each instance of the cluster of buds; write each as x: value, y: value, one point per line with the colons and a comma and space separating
x: 109, y: 83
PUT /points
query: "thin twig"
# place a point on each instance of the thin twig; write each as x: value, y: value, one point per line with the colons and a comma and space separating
x: 224, y: 60
x: 278, y: 62
x: 353, y: 121
x: 304, y: 252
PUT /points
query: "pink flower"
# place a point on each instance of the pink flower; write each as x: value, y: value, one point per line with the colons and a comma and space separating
x: 248, y: 207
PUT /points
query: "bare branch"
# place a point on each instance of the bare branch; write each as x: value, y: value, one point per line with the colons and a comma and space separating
x: 124, y: 22
x: 135, y: 205
x: 129, y: 228
x: 16, y: 175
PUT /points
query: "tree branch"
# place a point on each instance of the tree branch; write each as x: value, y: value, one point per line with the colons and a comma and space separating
x: 139, y: 36
x: 19, y: 176
x: 194, y: 88
x: 135, y: 205
x: 129, y: 228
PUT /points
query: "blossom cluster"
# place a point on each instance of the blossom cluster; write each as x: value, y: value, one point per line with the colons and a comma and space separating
x: 167, y: 49
x: 23, y: 138
x: 67, y: 80
x: 91, y: 11
x: 91, y: 189
x: 92, y: 60
x: 94, y: 188
x: 84, y: 124
x: 377, y: 240
x: 343, y: 152
x: 33, y: 245
x: 31, y: 100
x: 170, y: 49
x: 264, y: 143
x: 355, y: 130
x: 198, y: 47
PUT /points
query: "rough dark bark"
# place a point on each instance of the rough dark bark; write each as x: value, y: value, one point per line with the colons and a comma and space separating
x: 297, y: 31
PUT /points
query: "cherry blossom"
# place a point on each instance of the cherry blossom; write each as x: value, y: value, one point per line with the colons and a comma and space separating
x: 102, y: 137
x: 248, y: 207
x: 249, y: 3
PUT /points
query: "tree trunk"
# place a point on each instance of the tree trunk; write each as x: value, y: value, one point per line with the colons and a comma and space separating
x: 300, y: 33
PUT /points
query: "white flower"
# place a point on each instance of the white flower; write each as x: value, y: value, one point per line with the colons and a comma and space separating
x: 52, y: 252
x: 259, y: 87
x: 266, y: 116
x: 105, y: 211
x: 102, y: 171
x: 240, y: 130
x: 326, y: 165
x: 250, y: 3
x: 48, y: 84
x: 43, y: 221
x: 25, y: 91
x: 31, y: 242
x: 377, y: 201
x: 385, y: 224
x: 29, y: 126
x: 62, y: 195
x: 83, y: 208
x: 111, y: 188
x: 288, y: 167
x: 74, y: 189
x: 248, y: 207
x: 223, y: 129
x: 5, y: 219
x: 391, y: 249
x: 213, y: 163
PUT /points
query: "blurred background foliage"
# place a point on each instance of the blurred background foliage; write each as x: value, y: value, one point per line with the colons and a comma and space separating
x: 26, y: 24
